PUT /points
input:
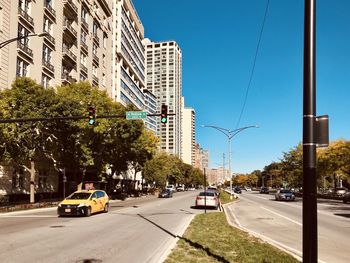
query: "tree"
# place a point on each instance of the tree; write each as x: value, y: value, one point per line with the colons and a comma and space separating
x: 24, y: 143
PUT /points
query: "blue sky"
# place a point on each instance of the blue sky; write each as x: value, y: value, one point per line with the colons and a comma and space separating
x: 218, y: 44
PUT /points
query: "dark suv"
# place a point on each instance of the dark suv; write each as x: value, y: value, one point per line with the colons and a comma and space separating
x: 264, y: 190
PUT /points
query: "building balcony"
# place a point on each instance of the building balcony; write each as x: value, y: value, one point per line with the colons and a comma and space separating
x: 84, y: 46
x: 95, y: 59
x: 96, y: 39
x: 83, y: 68
x: 49, y: 10
x: 47, y: 65
x: 25, y: 17
x: 70, y: 8
x: 67, y: 79
x: 69, y: 30
x: 50, y: 39
x: 69, y: 56
x: 95, y: 80
x: 25, y: 50
x: 85, y: 24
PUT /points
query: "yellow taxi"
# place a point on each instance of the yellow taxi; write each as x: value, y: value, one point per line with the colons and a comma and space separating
x: 84, y: 203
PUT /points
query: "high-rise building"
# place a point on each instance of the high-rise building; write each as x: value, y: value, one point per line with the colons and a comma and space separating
x: 164, y: 80
x: 76, y: 45
x: 128, y: 52
x: 188, y: 134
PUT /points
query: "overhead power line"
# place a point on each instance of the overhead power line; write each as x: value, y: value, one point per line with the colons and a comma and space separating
x: 254, y: 63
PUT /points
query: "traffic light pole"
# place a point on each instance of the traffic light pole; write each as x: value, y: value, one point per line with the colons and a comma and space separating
x: 67, y: 118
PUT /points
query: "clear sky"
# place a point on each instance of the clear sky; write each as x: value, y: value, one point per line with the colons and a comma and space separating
x: 218, y: 40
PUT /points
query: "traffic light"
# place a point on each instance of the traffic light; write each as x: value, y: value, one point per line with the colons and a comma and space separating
x: 164, y: 114
x: 92, y: 116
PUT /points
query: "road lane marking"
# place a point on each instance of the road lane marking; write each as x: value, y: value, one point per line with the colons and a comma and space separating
x: 287, y: 218
x: 294, y: 252
x: 25, y: 216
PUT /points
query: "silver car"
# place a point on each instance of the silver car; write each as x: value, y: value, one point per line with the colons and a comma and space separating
x: 285, y: 195
x: 207, y: 199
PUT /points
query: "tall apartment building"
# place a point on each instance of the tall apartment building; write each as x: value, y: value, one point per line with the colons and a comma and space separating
x: 188, y: 134
x: 164, y: 80
x: 76, y: 46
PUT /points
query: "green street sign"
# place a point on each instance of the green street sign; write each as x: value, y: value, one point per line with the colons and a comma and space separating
x: 136, y: 115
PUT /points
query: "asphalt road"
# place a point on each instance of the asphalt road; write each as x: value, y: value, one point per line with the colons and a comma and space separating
x: 280, y: 223
x: 137, y: 230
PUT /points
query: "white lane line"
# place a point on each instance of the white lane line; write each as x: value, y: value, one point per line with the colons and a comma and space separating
x: 25, y: 216
x: 287, y: 218
x: 294, y: 252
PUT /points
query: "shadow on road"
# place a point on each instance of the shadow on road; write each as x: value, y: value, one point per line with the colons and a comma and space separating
x: 193, y: 244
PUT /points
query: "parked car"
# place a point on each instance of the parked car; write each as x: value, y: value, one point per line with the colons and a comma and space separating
x: 180, y: 188
x: 84, y: 203
x: 264, y: 190
x: 340, y: 191
x: 237, y: 190
x: 285, y: 195
x: 171, y: 187
x: 247, y: 188
x: 346, y: 197
x: 166, y: 193
x: 209, y: 199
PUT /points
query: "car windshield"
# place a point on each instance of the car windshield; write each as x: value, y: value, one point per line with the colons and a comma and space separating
x: 207, y: 194
x: 79, y: 196
x: 285, y: 191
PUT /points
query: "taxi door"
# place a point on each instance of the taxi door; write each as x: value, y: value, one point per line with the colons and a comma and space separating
x: 94, y: 203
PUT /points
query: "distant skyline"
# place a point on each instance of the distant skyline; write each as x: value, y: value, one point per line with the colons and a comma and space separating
x: 218, y: 42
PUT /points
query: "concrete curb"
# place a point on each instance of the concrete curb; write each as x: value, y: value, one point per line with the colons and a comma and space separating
x: 232, y: 220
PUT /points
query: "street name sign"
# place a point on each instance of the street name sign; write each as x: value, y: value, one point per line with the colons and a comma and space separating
x: 136, y: 115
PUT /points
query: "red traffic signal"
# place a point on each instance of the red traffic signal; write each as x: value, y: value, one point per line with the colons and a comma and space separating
x: 164, y: 114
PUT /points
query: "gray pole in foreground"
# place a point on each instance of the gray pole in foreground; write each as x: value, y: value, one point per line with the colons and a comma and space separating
x: 309, y: 142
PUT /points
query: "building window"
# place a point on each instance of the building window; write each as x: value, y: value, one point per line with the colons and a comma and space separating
x: 84, y: 14
x: 105, y: 40
x: 47, y: 25
x: 94, y: 28
x: 22, y: 31
x: 83, y: 36
x: 24, y: 5
x: 82, y: 77
x: 22, y: 68
x: 42, y: 182
x: 83, y: 59
x: 94, y: 70
x: 45, y: 81
x: 18, y: 179
x: 94, y: 49
x: 47, y: 53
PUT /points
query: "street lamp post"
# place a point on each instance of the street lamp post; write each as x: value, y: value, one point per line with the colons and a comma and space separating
x: 5, y: 43
x: 230, y: 134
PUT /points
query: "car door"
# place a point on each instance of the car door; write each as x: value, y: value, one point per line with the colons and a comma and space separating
x: 94, y: 203
x: 100, y: 200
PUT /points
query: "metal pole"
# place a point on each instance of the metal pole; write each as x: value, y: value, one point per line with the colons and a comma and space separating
x: 229, y: 164
x: 205, y: 191
x: 309, y: 144
x: 223, y: 167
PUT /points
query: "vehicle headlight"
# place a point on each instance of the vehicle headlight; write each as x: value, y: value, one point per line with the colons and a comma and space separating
x: 59, y: 205
x: 82, y: 204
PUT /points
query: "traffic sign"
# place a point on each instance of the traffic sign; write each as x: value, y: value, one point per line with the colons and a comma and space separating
x: 136, y: 115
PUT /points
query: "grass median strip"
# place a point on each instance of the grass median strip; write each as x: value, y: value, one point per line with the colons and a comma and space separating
x: 209, y: 238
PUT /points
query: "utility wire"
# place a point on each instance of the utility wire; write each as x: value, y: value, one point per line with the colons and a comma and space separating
x: 254, y: 63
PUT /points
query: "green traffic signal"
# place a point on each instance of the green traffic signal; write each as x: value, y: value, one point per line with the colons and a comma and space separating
x: 164, y: 114
x: 92, y: 115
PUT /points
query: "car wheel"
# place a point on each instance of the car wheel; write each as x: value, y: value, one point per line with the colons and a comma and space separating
x: 88, y: 211
x: 105, y: 210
